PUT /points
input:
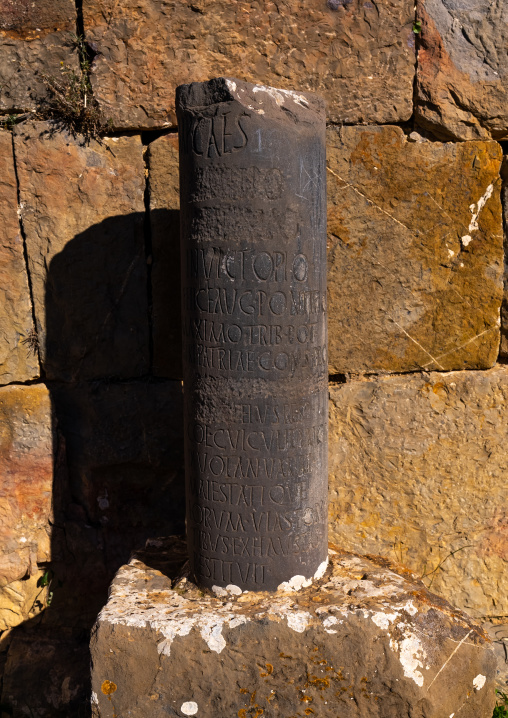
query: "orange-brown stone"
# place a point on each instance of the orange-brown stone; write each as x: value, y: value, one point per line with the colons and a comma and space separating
x: 26, y: 482
x: 462, y: 77
x: 415, y: 252
x: 82, y: 207
x: 18, y: 348
x: 359, y: 55
x: 36, y: 41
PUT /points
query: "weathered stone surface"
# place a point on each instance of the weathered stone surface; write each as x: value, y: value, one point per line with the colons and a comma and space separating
x: 498, y: 634
x: 504, y: 307
x: 164, y: 188
x: 35, y: 38
x: 83, y: 208
x: 415, y: 252
x: 55, y: 665
x: 462, y: 78
x: 18, y: 361
x: 125, y: 458
x: 367, y: 639
x: 358, y: 55
x: 26, y: 478
x: 418, y: 470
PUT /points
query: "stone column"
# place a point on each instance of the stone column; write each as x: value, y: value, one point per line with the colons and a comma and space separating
x: 252, y: 165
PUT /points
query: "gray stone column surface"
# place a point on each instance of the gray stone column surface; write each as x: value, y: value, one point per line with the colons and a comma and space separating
x: 252, y: 165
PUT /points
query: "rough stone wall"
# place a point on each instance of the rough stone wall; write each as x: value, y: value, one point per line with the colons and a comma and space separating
x: 90, y: 367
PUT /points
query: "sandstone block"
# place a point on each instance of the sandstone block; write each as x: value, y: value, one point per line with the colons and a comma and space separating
x: 462, y: 78
x: 359, y: 56
x: 415, y: 252
x: 367, y: 639
x: 35, y: 38
x: 83, y: 209
x: 504, y: 307
x: 18, y: 360
x: 26, y: 479
x: 125, y: 458
x: 418, y: 471
x: 164, y: 188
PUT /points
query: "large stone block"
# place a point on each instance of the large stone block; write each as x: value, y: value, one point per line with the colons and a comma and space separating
x: 462, y: 78
x: 358, y: 55
x: 18, y: 359
x: 26, y: 483
x: 415, y: 252
x: 504, y: 308
x: 418, y: 470
x: 36, y: 38
x: 366, y: 639
x: 83, y: 210
x: 124, y: 446
x: 164, y: 188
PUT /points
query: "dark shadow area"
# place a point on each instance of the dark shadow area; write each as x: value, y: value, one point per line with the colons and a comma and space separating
x: 119, y: 476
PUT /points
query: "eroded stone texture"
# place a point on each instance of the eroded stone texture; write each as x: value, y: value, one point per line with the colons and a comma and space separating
x: 125, y: 458
x: 418, y: 470
x: 367, y: 639
x: 165, y: 224
x: 18, y: 360
x: 83, y: 208
x: 358, y: 55
x: 36, y: 38
x: 26, y: 481
x: 462, y: 76
x: 415, y: 252
x: 504, y: 307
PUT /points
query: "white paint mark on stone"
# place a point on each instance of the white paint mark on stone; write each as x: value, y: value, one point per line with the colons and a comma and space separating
x: 475, y: 210
x: 295, y: 583
x: 330, y: 621
x: 211, y: 633
x: 190, y: 708
x: 231, y: 85
x: 321, y: 570
x: 451, y: 253
x: 410, y: 608
x: 23, y: 539
x: 298, y: 621
x: 95, y: 700
x: 383, y: 620
x: 451, y: 715
x: 479, y: 681
x: 235, y: 590
x: 280, y: 96
x: 219, y: 591
x: 411, y: 651
x: 238, y: 621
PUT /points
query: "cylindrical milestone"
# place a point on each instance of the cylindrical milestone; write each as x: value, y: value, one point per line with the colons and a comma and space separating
x: 253, y: 205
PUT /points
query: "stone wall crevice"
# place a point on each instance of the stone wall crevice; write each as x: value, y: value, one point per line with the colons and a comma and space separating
x: 33, y: 341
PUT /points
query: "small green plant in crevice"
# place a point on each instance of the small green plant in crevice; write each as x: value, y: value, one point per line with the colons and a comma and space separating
x: 501, y: 709
x: 8, y: 121
x: 417, y: 27
x: 70, y: 101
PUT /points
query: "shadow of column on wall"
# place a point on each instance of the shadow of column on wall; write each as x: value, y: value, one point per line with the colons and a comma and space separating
x: 119, y: 476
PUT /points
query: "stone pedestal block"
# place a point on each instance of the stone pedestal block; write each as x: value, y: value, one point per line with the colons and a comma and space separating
x: 365, y: 640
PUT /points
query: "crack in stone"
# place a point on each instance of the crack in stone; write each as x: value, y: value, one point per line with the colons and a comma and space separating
x: 449, y: 658
x: 456, y: 349
x: 418, y: 344
x: 370, y: 201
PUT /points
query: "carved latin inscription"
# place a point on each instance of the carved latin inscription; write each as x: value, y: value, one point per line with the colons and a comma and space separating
x: 254, y: 331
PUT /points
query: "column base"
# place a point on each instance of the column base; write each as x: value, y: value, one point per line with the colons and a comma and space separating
x: 367, y: 639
